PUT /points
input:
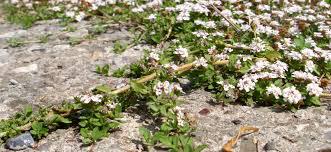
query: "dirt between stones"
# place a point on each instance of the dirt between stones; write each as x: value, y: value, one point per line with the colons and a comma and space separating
x: 46, y: 74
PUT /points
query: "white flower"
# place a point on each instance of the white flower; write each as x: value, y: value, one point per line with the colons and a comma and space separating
x: 112, y: 105
x: 259, y: 65
x: 180, y: 116
x: 96, y: 98
x: 304, y: 76
x: 226, y: 86
x: 201, y: 34
x: 152, y: 17
x: 246, y: 84
x: 314, y: 89
x: 183, y: 16
x: 167, y: 88
x: 172, y: 66
x: 56, y: 9
x: 80, y: 16
x: 222, y: 56
x: 309, y: 53
x: 158, y: 88
x: 182, y: 52
x: 88, y: 98
x: 212, y: 49
x: 70, y: 14
x: 200, y: 62
x: 177, y: 87
x: 279, y: 67
x: 228, y: 50
x: 310, y: 66
x: 154, y: 56
x: 85, y: 99
x: 276, y: 91
x: 209, y: 24
x: 257, y: 45
x: 294, y: 55
x: 292, y: 95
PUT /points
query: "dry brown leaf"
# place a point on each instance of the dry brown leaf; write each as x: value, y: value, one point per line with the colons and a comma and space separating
x: 228, y: 147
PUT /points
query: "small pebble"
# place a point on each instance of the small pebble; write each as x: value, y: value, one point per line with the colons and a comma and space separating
x: 328, y: 107
x: 271, y: 145
x: 236, y: 121
x: 13, y: 82
x: 20, y: 142
x: 204, y: 111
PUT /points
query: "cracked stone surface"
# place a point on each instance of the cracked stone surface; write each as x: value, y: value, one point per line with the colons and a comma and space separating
x: 41, y: 74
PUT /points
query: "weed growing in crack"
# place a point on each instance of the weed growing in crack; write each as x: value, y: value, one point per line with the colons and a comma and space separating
x: 15, y: 42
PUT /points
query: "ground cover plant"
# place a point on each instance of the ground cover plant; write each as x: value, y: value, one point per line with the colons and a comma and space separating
x: 257, y: 52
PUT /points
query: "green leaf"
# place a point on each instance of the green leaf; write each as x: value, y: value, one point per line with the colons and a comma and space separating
x: 28, y: 111
x: 272, y: 55
x: 200, y: 148
x: 153, y: 107
x: 165, y: 127
x: 83, y: 123
x: 84, y: 132
x: 249, y: 101
x: 328, y: 66
x: 104, y: 89
x: 232, y: 61
x: 97, y: 134
x: 114, y: 125
x: 299, y: 42
x: 145, y: 133
x: 65, y: 120
x: 315, y: 101
x: 138, y: 87
x: 166, y: 140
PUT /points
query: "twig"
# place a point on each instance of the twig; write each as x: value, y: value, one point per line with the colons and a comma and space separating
x: 237, y: 47
x: 325, y: 95
x: 228, y: 147
x: 180, y: 69
x: 167, y: 36
x: 227, y: 19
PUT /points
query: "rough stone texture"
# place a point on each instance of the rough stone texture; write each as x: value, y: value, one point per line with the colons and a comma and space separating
x: 47, y: 73
x: 20, y: 142
x: 306, y: 130
x: 44, y: 74
x: 41, y: 74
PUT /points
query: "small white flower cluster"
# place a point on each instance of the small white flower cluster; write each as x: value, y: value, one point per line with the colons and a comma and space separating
x: 167, y: 88
x: 226, y: 85
x: 91, y: 98
x: 180, y: 116
x: 278, y: 67
x: 201, y: 34
x: 314, y: 89
x: 112, y: 105
x: 292, y: 95
x: 274, y: 90
x: 305, y: 76
x: 152, y: 17
x: 172, y: 66
x: 257, y: 45
x: 182, y: 52
x: 200, y: 62
x: 310, y: 66
x: 154, y: 56
x: 209, y: 24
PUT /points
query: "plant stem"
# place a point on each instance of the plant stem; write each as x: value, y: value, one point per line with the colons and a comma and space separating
x: 181, y: 69
x: 227, y: 19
